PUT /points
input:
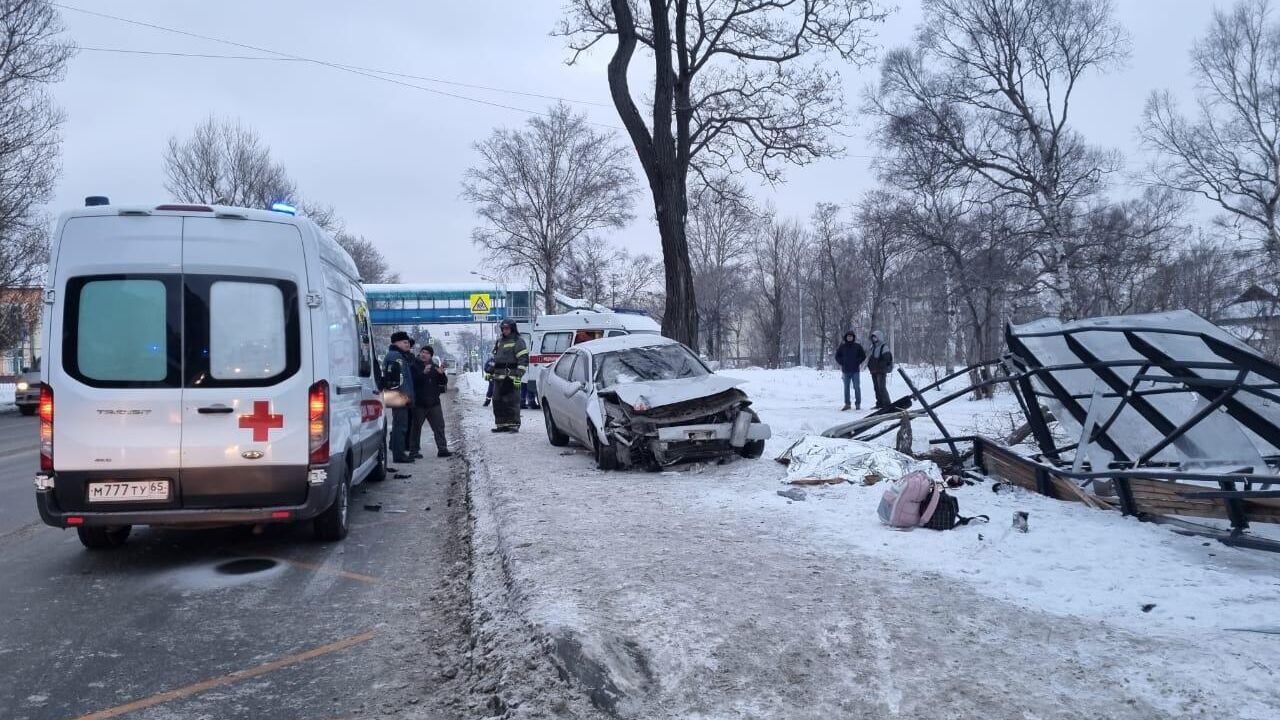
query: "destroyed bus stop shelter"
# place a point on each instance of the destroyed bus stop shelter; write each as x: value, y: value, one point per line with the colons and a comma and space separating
x: 1168, y: 395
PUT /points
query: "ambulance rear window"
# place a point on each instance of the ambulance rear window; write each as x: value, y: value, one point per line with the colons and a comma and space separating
x: 122, y: 331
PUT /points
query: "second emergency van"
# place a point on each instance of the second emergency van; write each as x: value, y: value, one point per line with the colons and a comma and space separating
x: 204, y: 365
x: 553, y: 334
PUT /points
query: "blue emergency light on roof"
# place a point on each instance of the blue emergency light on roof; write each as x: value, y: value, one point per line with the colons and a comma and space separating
x: 285, y: 208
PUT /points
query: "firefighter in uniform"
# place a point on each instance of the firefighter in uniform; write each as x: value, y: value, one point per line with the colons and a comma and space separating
x: 510, y: 361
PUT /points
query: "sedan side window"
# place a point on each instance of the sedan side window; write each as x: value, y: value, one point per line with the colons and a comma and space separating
x: 580, y: 369
x: 564, y: 366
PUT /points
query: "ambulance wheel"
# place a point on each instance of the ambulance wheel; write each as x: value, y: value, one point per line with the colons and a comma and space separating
x: 103, y: 538
x: 752, y: 450
x: 606, y: 458
x: 554, y: 435
x: 332, y: 524
x: 379, y: 471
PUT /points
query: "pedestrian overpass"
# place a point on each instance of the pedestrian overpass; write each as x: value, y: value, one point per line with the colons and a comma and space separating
x: 448, y: 303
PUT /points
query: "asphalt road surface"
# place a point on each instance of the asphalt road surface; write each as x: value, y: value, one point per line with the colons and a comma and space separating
x: 232, y: 624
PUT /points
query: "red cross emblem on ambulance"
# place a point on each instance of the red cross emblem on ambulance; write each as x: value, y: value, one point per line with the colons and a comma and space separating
x: 261, y: 422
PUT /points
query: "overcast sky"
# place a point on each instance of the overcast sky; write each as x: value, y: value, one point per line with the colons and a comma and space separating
x: 390, y: 158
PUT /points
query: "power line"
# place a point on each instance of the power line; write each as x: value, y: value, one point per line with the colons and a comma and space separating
x: 214, y: 56
x: 355, y: 70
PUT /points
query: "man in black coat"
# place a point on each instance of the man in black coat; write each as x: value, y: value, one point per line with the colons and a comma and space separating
x: 429, y: 383
x: 880, y: 364
x: 398, y: 373
x: 851, y: 357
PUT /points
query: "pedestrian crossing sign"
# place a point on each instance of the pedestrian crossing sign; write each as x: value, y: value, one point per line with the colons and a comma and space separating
x: 481, y: 304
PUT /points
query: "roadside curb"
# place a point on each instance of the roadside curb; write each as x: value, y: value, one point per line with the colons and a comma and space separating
x: 532, y: 680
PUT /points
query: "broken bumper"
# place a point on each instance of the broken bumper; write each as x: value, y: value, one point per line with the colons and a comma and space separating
x: 717, y: 431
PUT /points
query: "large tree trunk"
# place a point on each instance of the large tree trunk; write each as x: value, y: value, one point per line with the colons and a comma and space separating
x: 680, y: 320
x: 664, y: 159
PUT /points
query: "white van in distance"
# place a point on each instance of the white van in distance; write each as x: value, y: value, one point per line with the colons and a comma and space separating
x: 204, y: 365
x: 553, y: 334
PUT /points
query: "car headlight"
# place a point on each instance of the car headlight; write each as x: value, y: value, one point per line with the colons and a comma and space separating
x: 23, y: 386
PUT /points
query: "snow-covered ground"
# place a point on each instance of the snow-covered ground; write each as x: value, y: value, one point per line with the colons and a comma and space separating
x: 706, y: 595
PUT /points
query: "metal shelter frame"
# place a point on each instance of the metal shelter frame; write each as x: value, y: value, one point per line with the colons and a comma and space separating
x: 1022, y: 371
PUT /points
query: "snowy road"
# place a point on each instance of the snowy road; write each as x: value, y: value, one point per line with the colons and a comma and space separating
x: 702, y: 594
x: 371, y: 626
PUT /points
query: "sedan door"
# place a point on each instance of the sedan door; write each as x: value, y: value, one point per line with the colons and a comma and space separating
x: 580, y: 393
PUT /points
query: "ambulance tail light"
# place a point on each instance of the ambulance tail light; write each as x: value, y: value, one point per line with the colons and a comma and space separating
x: 46, y: 428
x: 318, y: 422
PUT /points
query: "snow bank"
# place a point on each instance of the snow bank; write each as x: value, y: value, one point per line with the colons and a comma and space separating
x: 703, y: 594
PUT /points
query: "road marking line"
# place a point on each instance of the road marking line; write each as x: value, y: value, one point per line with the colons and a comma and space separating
x: 324, y: 569
x: 313, y: 567
x: 228, y: 679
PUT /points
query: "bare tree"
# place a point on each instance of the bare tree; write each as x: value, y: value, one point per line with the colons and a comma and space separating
x: 777, y: 254
x: 988, y: 89
x: 225, y: 162
x: 370, y: 263
x: 545, y: 188
x: 720, y: 230
x: 736, y: 84
x: 1229, y: 151
x: 33, y: 55
x: 601, y: 274
x: 884, y: 224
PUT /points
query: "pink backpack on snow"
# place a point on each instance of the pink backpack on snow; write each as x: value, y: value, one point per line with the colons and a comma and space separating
x: 903, y: 504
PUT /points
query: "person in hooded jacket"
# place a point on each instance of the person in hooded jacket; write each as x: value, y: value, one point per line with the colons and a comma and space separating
x: 880, y: 364
x: 398, y: 373
x: 851, y: 357
x: 510, y: 362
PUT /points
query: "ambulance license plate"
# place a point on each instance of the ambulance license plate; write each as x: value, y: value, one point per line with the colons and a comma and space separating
x: 129, y: 491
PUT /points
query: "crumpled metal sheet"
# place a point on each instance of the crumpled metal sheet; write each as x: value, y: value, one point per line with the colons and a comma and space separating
x: 815, y: 456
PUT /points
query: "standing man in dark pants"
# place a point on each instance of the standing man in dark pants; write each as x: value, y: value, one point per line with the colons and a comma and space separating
x: 430, y: 383
x: 398, y: 372
x: 510, y: 361
x: 880, y: 363
x: 413, y: 444
x: 850, y: 356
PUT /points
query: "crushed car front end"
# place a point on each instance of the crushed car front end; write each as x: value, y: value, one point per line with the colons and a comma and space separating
x: 701, y: 428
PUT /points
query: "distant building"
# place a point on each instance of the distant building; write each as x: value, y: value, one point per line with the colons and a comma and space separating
x: 19, y: 329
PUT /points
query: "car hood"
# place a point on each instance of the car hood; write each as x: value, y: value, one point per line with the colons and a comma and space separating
x: 659, y: 393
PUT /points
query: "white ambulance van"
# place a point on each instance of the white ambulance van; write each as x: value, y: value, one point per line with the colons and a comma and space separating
x: 204, y: 365
x: 553, y: 334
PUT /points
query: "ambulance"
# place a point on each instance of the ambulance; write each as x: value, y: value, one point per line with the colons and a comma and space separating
x: 204, y: 365
x: 551, y: 335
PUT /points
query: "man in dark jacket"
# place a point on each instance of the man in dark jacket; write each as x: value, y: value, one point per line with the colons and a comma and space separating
x: 429, y: 384
x: 851, y: 357
x: 398, y: 374
x: 510, y: 361
x: 880, y: 364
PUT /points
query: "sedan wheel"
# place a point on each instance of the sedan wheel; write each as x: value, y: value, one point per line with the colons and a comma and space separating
x: 606, y: 458
x: 555, y: 436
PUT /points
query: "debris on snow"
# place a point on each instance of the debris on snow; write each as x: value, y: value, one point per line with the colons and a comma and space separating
x: 815, y: 456
x: 792, y: 494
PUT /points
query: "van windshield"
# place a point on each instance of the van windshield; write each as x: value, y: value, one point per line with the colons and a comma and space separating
x: 655, y: 362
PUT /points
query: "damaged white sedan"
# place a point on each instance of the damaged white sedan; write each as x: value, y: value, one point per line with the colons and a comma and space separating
x: 646, y: 400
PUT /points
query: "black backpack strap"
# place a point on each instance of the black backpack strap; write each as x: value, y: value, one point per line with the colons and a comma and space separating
x: 961, y: 520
